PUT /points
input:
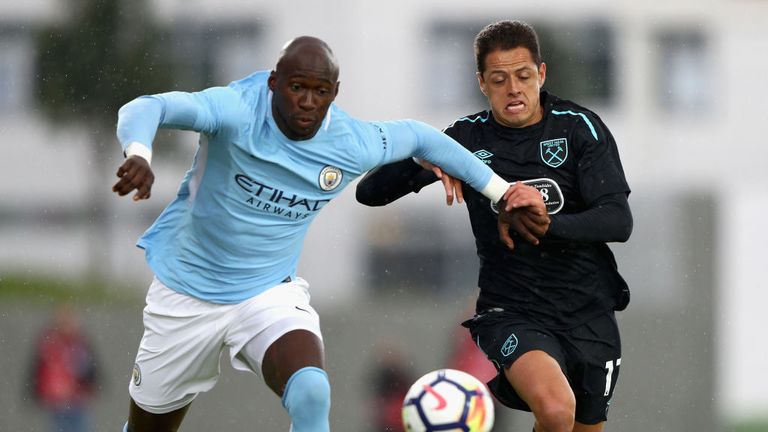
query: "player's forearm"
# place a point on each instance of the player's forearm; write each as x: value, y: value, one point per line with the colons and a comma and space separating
x: 390, y: 182
x: 137, y: 123
x: 441, y: 150
x: 139, y: 119
x: 608, y: 220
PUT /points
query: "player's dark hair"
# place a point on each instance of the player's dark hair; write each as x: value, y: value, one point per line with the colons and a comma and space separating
x: 506, y: 35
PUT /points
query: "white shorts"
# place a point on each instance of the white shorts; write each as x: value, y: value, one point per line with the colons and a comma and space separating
x: 184, y: 337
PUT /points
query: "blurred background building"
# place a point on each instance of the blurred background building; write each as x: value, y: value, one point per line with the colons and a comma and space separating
x: 681, y: 84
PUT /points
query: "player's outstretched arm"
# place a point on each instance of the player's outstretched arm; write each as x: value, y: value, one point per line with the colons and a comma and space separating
x: 417, y: 139
x: 387, y: 183
x: 451, y: 185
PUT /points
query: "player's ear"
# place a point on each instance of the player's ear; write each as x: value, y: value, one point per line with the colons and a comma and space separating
x: 481, y: 82
x: 272, y: 81
x: 542, y: 74
x: 336, y: 92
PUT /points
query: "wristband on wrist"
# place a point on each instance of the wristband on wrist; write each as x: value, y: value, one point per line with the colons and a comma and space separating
x: 495, y: 188
x: 138, y: 149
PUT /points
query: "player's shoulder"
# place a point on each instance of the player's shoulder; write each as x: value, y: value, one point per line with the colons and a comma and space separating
x: 256, y: 80
x: 253, y: 88
x: 580, y: 119
x: 344, y: 130
x: 350, y: 141
x: 339, y: 123
x: 468, y: 121
x: 465, y: 127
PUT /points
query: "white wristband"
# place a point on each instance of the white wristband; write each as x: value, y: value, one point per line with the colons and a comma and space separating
x: 495, y: 188
x: 138, y: 149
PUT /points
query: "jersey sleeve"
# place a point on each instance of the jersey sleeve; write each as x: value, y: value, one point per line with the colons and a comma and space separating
x: 599, y: 168
x: 391, y: 182
x: 402, y: 139
x: 609, y: 219
x: 212, y: 111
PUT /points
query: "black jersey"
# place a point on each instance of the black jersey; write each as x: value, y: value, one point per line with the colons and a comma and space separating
x: 560, y: 283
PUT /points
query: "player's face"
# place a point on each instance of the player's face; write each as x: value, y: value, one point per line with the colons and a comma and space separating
x: 302, y: 94
x: 512, y: 82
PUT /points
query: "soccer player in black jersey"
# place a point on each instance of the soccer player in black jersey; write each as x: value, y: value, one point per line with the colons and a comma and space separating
x: 545, y: 313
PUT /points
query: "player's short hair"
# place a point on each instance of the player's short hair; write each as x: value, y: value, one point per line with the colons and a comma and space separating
x: 506, y: 35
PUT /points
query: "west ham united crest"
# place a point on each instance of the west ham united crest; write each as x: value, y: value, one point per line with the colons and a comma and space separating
x: 554, y: 152
x: 330, y: 178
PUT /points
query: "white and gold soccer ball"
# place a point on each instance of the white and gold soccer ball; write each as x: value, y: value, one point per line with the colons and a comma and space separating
x: 448, y: 400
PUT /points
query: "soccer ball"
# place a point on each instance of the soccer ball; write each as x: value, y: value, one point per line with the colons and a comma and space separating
x: 448, y: 400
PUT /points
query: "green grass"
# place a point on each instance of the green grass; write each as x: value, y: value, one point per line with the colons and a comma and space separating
x: 49, y: 289
x: 756, y: 425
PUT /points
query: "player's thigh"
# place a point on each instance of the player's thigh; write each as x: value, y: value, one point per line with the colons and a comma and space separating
x: 179, y: 352
x: 520, y: 349
x: 539, y: 379
x: 293, y: 351
x: 140, y: 420
x: 279, y: 333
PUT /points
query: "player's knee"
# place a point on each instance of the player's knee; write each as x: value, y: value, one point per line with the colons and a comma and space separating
x: 555, y: 414
x: 307, y: 398
x: 555, y: 420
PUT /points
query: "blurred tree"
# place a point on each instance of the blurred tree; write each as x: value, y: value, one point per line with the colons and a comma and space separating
x: 107, y: 53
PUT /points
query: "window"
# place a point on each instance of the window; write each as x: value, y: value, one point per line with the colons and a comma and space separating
x: 16, y: 63
x: 682, y: 72
x: 580, y: 61
x: 203, y: 55
x: 451, y: 69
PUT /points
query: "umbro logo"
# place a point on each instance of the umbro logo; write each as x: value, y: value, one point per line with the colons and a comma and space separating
x: 483, y: 155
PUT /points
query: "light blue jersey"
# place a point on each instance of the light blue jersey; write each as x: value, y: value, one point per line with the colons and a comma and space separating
x: 237, y: 225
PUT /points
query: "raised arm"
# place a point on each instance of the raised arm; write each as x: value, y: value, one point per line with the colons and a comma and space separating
x: 210, y: 111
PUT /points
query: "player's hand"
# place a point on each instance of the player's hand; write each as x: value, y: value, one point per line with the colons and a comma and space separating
x: 528, y: 222
x: 522, y: 209
x: 451, y: 185
x: 134, y: 174
x: 521, y: 195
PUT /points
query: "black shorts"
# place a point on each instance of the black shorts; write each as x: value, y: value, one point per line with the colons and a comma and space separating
x: 589, y: 355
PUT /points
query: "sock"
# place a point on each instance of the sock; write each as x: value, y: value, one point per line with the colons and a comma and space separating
x: 307, y: 398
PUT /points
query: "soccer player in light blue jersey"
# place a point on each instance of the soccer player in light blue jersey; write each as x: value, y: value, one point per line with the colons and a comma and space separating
x: 274, y: 149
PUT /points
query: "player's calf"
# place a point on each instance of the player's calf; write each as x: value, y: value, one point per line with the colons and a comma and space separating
x: 307, y: 398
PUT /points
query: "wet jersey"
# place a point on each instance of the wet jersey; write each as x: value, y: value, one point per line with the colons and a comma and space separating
x: 560, y: 283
